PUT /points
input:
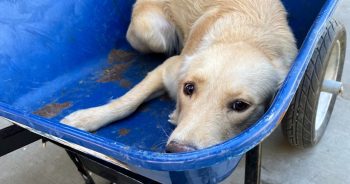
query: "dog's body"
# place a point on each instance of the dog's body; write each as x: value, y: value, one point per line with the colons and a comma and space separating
x: 234, y: 55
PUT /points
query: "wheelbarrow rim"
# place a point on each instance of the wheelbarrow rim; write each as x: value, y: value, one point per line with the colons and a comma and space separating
x: 325, y: 98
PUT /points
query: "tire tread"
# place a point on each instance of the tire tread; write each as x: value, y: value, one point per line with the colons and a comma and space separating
x: 298, y: 123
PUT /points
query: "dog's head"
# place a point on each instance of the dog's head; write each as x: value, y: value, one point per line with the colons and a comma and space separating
x: 221, y: 91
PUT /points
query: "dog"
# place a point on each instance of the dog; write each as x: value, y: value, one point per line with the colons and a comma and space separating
x: 234, y: 55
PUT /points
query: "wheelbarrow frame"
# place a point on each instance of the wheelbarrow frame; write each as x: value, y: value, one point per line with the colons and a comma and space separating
x: 15, y: 137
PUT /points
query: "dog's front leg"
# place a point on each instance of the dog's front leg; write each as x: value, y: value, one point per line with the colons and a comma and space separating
x: 152, y: 86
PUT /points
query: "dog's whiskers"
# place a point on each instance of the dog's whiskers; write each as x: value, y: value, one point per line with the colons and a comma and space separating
x: 167, y: 135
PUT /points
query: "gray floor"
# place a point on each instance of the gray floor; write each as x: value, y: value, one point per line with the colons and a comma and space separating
x: 327, y: 163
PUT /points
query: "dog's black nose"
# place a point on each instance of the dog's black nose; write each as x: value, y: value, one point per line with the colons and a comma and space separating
x: 175, y: 147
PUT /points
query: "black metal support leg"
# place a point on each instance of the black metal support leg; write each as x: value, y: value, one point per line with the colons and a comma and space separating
x: 15, y: 137
x: 253, y: 166
x: 83, y: 172
x: 109, y: 171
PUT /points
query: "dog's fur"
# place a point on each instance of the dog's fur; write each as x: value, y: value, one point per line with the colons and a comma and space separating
x: 230, y: 50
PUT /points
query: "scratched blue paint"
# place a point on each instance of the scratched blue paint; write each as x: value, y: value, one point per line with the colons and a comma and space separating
x: 56, y: 52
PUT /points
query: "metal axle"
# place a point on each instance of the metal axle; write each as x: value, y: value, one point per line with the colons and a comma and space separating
x: 332, y: 86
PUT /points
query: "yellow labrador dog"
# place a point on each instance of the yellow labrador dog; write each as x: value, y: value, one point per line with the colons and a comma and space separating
x: 234, y: 55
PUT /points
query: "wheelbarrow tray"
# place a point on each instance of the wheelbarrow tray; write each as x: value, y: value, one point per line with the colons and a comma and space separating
x: 60, y: 56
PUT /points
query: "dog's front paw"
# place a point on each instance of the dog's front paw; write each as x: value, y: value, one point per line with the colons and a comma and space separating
x: 87, y: 119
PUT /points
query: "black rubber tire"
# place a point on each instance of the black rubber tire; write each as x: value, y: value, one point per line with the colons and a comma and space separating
x: 299, y: 123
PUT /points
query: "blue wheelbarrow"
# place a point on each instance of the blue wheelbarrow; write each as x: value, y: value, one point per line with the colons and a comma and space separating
x: 60, y: 56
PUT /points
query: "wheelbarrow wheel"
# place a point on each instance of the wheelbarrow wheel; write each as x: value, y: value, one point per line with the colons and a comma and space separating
x: 307, y: 117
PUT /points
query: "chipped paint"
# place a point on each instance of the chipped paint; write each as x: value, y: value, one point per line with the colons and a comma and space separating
x: 52, y: 110
x: 116, y: 56
x: 114, y: 73
x: 123, y: 132
x: 125, y: 83
x: 119, y: 61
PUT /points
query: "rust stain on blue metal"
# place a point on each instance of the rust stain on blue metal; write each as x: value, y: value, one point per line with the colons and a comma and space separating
x: 120, y: 61
x: 117, y: 56
x: 123, y: 132
x: 53, y: 109
x: 125, y: 83
x: 114, y: 73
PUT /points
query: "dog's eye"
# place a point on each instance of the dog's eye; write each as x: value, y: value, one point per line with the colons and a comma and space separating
x: 239, y: 106
x: 189, y: 88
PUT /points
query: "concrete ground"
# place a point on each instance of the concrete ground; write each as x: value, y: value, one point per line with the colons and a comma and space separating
x: 327, y: 163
